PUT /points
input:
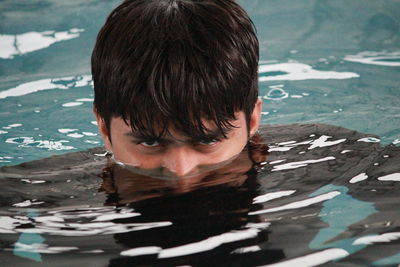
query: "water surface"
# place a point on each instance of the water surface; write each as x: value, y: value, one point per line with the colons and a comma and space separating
x: 316, y: 194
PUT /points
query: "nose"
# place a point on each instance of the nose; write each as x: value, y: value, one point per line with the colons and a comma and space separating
x: 180, y: 161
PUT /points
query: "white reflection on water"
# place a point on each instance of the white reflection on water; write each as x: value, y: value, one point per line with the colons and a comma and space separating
x: 48, y: 84
x: 97, y: 221
x: 270, y: 196
x: 390, y: 59
x: 276, y: 93
x: 209, y: 243
x: 286, y: 146
x: 299, y: 164
x: 321, y: 141
x: 314, y: 259
x: 20, y: 44
x: 390, y: 177
x: 358, y: 178
x: 75, y: 135
x: 40, y: 248
x: 244, y: 250
x: 72, y: 104
x: 89, y: 134
x: 383, y: 238
x: 29, y: 181
x: 369, y: 140
x: 5, y: 159
x: 299, y: 204
x: 299, y: 71
x: 24, y: 141
x: 13, y: 125
x: 27, y: 203
x: 141, y: 251
x: 92, y: 142
x: 66, y: 130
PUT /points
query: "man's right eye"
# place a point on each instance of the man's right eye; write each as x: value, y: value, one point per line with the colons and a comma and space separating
x: 149, y: 143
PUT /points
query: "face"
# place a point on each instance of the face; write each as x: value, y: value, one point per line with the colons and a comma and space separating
x: 175, y: 154
x: 132, y: 186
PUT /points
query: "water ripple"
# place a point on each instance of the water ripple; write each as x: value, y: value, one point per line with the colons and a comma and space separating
x: 390, y: 59
x: 20, y: 44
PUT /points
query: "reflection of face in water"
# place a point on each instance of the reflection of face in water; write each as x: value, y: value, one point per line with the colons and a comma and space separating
x: 208, y: 213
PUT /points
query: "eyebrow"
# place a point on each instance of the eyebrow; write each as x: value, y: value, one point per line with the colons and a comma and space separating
x: 211, y: 135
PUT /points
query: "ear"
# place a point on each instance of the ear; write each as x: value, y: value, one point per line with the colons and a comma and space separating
x: 255, y: 117
x: 104, y: 131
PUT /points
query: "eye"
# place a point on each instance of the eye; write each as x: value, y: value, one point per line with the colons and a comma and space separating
x: 208, y: 142
x: 152, y: 143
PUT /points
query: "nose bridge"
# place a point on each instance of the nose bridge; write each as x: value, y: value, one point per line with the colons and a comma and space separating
x: 180, y: 160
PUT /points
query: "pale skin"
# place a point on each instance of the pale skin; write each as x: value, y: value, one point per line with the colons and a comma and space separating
x: 177, y: 155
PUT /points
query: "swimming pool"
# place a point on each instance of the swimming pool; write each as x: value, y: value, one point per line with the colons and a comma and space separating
x: 320, y: 63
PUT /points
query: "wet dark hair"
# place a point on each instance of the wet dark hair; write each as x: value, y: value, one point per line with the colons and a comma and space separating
x: 163, y: 63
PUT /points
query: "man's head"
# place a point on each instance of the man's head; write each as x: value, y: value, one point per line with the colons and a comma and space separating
x: 176, y: 82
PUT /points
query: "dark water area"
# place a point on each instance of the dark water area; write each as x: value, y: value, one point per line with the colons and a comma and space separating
x: 314, y: 195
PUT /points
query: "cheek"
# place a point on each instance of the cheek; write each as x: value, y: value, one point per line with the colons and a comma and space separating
x: 122, y: 149
x: 235, y: 144
x: 241, y: 137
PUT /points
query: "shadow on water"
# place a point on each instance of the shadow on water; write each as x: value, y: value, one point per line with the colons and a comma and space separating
x: 317, y: 194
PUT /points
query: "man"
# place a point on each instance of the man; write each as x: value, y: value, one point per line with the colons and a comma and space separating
x: 176, y: 83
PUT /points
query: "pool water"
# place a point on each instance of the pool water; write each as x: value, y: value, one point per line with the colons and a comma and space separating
x: 334, y: 62
x: 324, y: 195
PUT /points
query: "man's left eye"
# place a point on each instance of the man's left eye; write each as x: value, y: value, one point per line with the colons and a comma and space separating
x: 149, y: 143
x: 208, y: 142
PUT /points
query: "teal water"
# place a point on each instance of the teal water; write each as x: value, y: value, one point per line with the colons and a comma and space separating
x: 323, y: 195
x: 321, y: 62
